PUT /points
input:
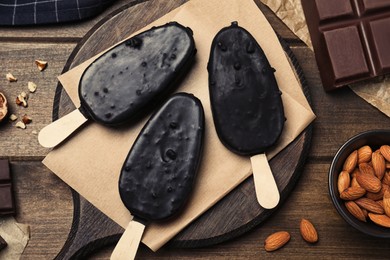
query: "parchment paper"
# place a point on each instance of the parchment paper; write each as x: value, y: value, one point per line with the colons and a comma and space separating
x: 375, y: 91
x: 16, y: 235
x: 90, y: 161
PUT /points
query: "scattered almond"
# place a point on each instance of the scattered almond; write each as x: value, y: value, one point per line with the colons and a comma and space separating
x: 355, y: 210
x: 381, y: 220
x: 370, y: 205
x: 344, y: 181
x: 41, y: 64
x: 276, y: 240
x: 351, y: 162
x: 308, y: 231
x: 364, y: 154
x: 10, y: 77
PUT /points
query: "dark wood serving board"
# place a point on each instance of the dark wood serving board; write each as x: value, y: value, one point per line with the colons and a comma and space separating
x: 234, y: 215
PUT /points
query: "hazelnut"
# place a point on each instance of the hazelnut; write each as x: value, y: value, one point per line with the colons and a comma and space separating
x: 41, y: 64
x: 11, y: 77
x: 3, y: 107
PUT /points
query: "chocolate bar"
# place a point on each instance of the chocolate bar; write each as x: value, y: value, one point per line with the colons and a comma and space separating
x: 351, y: 39
x: 7, y: 202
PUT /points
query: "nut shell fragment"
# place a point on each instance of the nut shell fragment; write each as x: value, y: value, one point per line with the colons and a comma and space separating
x: 41, y: 64
x: 10, y: 77
x: 32, y: 87
x: 21, y: 125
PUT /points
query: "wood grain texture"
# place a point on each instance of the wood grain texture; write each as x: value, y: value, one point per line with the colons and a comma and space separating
x: 18, y: 59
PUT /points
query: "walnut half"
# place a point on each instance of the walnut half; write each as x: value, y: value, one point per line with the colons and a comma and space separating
x: 3, y: 107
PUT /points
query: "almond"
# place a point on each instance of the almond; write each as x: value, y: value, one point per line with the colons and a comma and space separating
x: 354, y: 182
x: 343, y: 181
x: 352, y: 193
x: 364, y: 154
x: 369, y: 182
x: 351, y: 162
x: 386, y: 178
x: 381, y: 220
x: 385, y: 151
x: 366, y: 168
x: 308, y: 231
x: 276, y: 240
x: 370, y: 205
x: 378, y: 195
x: 379, y: 165
x: 386, y: 202
x: 355, y: 210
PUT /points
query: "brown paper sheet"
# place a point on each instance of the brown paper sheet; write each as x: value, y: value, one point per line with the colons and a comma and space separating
x: 16, y: 235
x: 376, y: 91
x: 90, y: 161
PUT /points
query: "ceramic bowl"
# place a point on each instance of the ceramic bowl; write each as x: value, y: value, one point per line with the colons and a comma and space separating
x: 373, y: 138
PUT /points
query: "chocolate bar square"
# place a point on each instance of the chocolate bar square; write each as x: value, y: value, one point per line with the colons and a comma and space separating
x: 351, y: 39
x: 7, y: 201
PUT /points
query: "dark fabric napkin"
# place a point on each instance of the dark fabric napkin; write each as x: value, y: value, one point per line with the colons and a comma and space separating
x: 31, y: 12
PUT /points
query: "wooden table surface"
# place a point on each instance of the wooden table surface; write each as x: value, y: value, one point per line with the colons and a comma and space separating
x: 45, y: 203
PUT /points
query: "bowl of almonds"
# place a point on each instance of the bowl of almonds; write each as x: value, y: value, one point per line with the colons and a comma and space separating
x: 359, y: 181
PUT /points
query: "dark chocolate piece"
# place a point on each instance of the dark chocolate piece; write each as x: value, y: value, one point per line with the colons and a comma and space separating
x: 7, y: 201
x: 245, y: 99
x: 350, y: 39
x: 3, y: 244
x: 158, y: 173
x: 132, y: 76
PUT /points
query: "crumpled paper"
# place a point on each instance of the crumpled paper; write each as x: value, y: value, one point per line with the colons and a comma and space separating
x: 16, y: 235
x: 376, y: 91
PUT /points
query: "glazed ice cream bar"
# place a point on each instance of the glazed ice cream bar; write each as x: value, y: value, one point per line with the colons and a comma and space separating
x: 132, y: 76
x: 245, y: 98
x: 158, y: 174
x: 129, y: 80
x: 246, y: 104
x: 350, y: 39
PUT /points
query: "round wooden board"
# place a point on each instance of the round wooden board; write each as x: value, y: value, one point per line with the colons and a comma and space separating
x: 234, y: 215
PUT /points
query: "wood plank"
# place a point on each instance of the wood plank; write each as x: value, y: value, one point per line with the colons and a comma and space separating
x: 44, y: 202
x: 309, y: 200
x: 18, y: 59
x: 340, y: 114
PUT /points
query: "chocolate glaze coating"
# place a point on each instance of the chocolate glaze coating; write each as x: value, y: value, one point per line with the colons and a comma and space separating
x: 132, y: 76
x: 245, y: 98
x: 159, y: 171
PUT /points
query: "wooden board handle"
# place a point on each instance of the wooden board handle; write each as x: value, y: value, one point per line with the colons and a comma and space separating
x: 56, y: 132
x: 267, y: 192
x: 127, y: 246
